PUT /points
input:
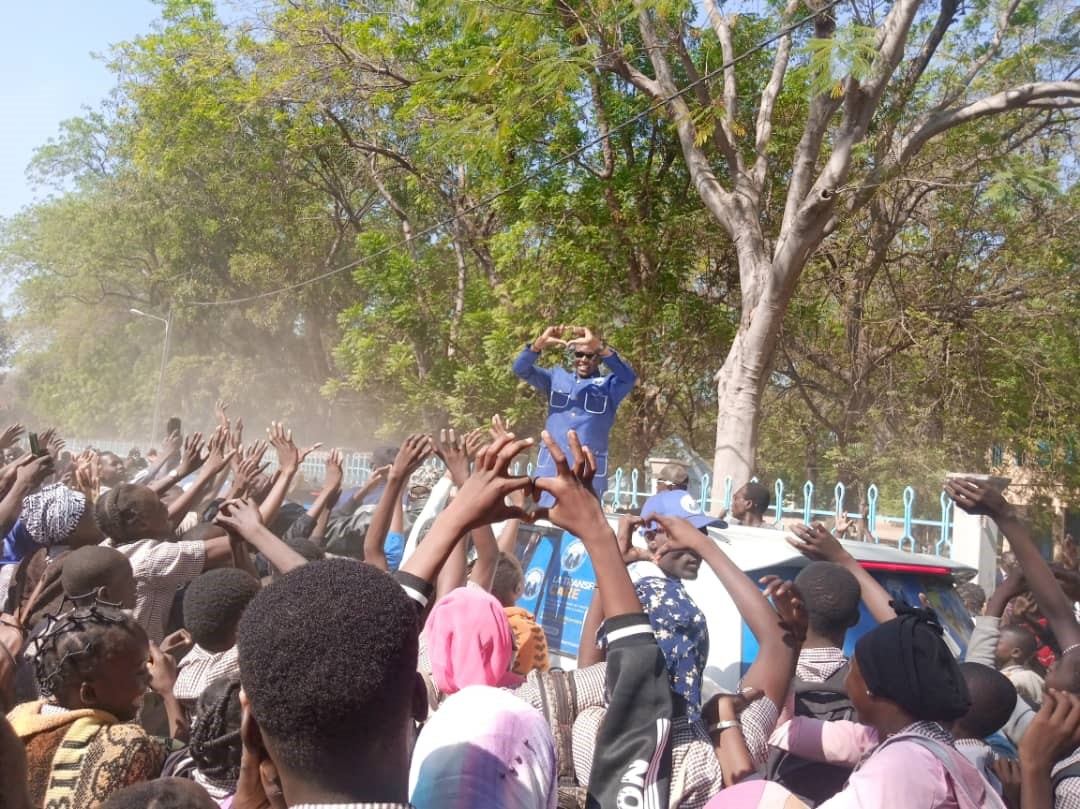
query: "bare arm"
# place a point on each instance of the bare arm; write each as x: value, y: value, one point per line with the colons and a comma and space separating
x: 481, y: 501
x: 242, y: 518
x: 977, y: 497
x: 774, y: 665
x: 816, y: 542
x: 412, y: 453
x: 289, y: 460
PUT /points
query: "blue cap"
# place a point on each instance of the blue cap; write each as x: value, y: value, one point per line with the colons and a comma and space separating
x: 679, y: 503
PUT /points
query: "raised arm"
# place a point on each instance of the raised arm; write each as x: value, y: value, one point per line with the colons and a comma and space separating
x: 525, y: 364
x: 774, y: 666
x: 480, y: 501
x: 191, y: 460
x: 817, y: 543
x: 632, y: 762
x: 977, y: 497
x: 413, y: 452
x: 29, y: 476
x: 242, y: 517
x: 217, y: 460
x: 331, y: 487
x: 289, y: 460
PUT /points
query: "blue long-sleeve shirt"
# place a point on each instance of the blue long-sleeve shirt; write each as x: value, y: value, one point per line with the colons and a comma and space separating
x: 586, y: 405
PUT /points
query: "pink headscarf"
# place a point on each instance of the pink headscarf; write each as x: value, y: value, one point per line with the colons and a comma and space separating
x: 755, y: 795
x: 469, y: 642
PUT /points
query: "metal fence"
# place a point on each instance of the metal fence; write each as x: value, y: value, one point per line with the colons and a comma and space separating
x: 628, y: 489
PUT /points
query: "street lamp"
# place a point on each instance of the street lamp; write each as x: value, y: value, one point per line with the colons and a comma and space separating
x: 164, y: 359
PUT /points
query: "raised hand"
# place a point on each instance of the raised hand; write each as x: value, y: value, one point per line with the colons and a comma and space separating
x: 414, y: 451
x: 289, y: 457
x: 218, y: 453
x: 551, y: 338
x: 585, y: 340
x: 450, y: 447
x: 817, y: 542
x: 481, y: 498
x: 577, y: 508
x: 474, y: 442
x: 170, y: 447
x: 679, y: 535
x: 335, y: 470
x: 162, y: 669
x: 179, y: 642
x: 191, y: 458
x: 88, y: 473
x: 10, y: 437
x: 499, y: 426
x: 628, y: 523
x: 789, y: 605
x: 1054, y: 732
x: 977, y: 497
x: 239, y: 516
x: 33, y: 473
x: 221, y: 413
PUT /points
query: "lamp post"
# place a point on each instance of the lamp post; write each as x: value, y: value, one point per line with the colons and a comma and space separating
x: 164, y: 360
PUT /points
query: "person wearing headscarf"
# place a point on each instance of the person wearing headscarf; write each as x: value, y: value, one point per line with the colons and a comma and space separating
x: 905, y: 685
x: 484, y: 748
x: 56, y: 514
x: 469, y: 642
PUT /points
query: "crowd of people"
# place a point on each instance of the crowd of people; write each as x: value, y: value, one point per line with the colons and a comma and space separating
x: 178, y: 631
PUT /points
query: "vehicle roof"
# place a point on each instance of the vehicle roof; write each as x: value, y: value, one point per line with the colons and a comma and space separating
x: 760, y: 548
x: 756, y: 548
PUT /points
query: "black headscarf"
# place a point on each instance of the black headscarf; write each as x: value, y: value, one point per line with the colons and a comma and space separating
x: 906, y: 660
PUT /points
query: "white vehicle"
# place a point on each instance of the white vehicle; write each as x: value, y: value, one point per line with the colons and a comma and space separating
x: 559, y: 584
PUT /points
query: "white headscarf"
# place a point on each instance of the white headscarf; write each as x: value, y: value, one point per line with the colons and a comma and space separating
x: 484, y: 747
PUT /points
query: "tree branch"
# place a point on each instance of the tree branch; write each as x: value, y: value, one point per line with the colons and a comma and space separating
x: 763, y: 125
x: 1038, y: 95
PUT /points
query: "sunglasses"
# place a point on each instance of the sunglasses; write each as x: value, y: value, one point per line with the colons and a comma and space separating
x: 584, y: 355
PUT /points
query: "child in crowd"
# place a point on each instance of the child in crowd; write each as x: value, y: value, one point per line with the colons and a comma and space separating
x: 469, y: 642
x: 993, y: 699
x: 99, y: 574
x: 905, y: 685
x: 212, y: 757
x: 137, y: 524
x: 213, y: 605
x: 81, y: 742
x: 530, y: 642
x: 1016, y: 649
x: 484, y: 747
x: 328, y: 721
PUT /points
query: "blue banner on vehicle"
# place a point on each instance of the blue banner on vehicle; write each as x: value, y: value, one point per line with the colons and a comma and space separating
x: 559, y: 584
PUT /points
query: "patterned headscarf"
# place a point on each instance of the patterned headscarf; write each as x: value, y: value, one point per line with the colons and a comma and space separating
x: 484, y: 747
x: 51, y: 514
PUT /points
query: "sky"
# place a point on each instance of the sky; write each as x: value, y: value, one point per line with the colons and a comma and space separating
x: 50, y: 74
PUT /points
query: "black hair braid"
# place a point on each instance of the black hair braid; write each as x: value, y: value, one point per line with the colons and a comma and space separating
x: 215, y: 744
x: 74, y: 643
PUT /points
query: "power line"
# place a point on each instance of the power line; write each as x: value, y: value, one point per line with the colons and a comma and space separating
x: 483, y: 203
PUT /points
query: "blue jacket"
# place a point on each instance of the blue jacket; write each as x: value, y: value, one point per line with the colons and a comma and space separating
x: 586, y: 405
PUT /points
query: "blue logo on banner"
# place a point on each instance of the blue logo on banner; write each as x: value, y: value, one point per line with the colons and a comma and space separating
x: 559, y: 585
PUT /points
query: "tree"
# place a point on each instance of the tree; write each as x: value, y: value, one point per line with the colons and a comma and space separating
x: 881, y: 87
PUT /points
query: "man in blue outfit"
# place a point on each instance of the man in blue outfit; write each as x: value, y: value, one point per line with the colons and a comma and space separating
x: 583, y: 400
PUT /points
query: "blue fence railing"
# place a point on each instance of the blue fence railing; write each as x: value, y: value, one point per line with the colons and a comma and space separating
x: 629, y: 489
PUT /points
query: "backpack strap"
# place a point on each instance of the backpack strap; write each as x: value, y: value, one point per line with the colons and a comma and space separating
x: 947, y: 756
x: 558, y: 696
x: 1071, y: 771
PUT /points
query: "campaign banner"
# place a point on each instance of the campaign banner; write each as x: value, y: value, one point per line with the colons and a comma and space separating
x: 559, y: 584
